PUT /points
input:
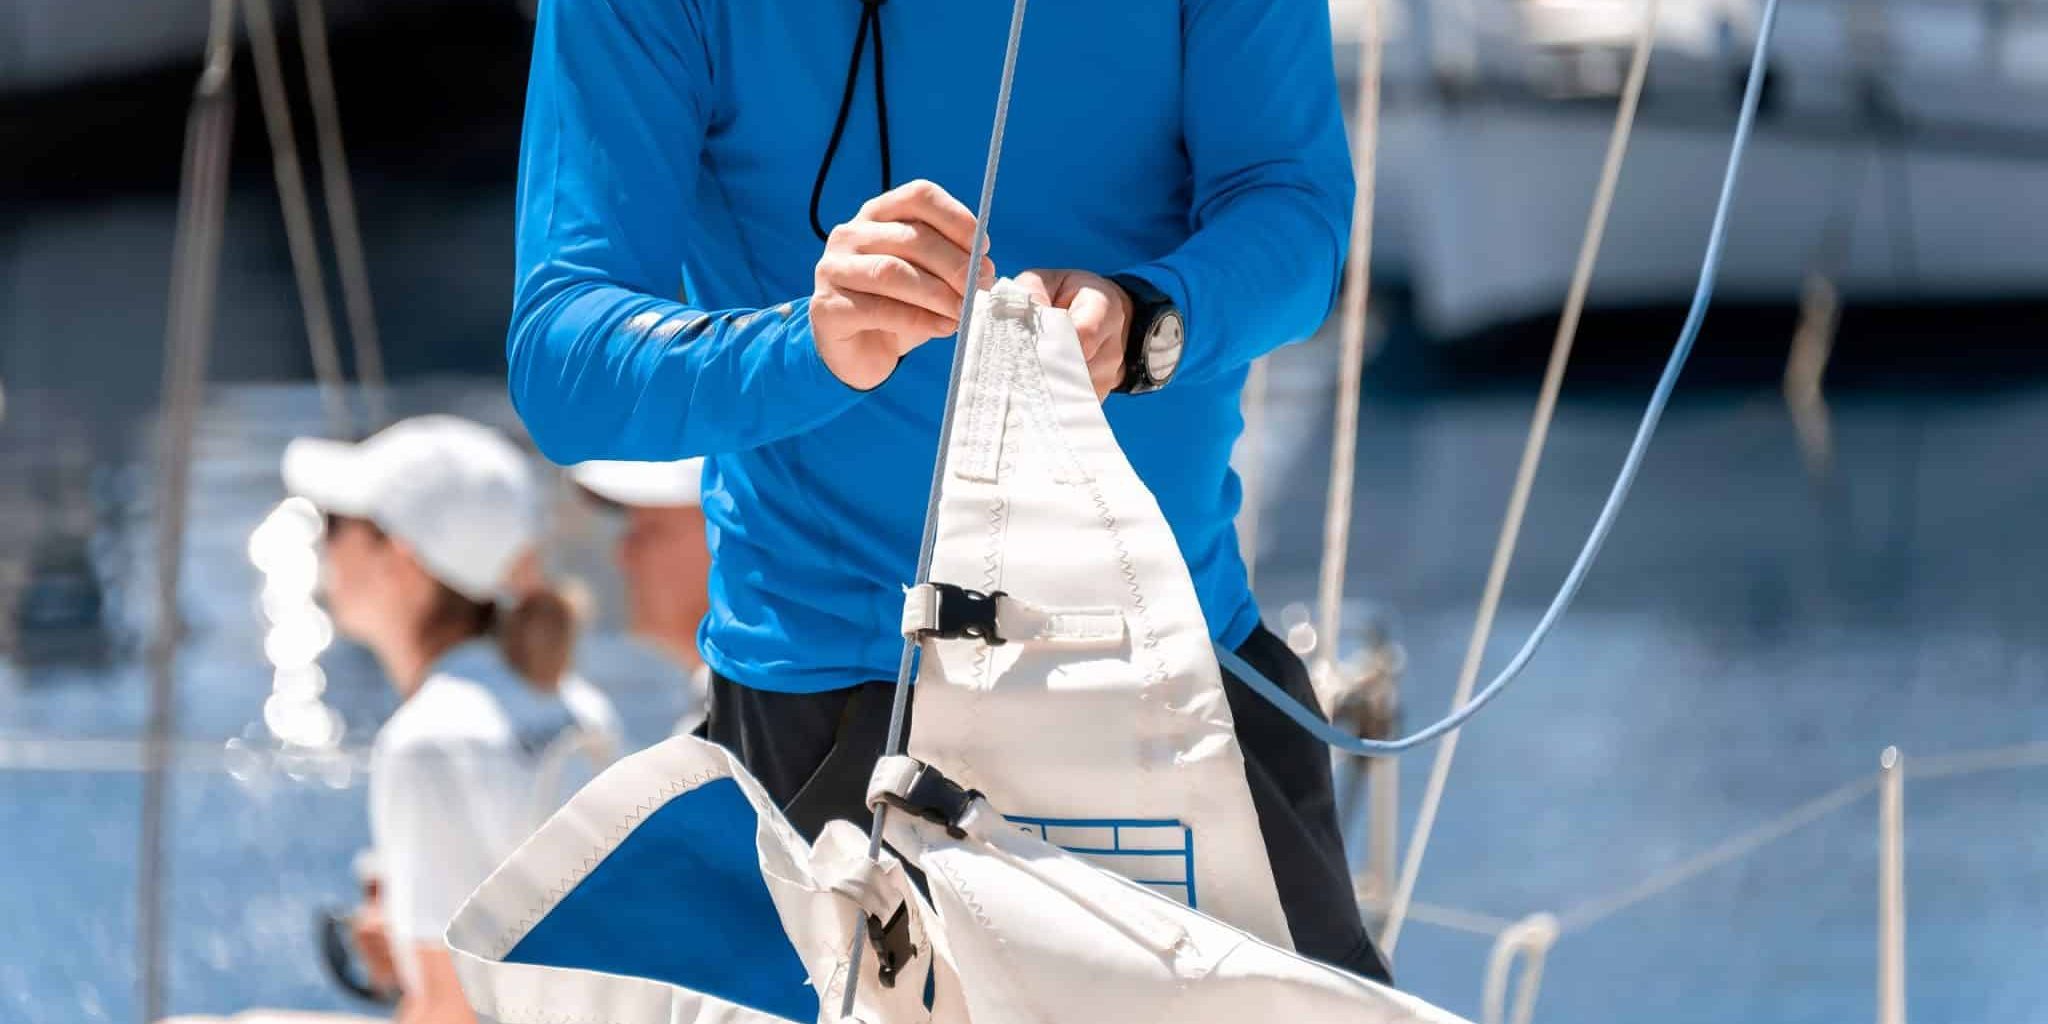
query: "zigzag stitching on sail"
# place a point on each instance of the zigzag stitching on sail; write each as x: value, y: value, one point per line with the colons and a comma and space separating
x: 984, y: 655
x: 1140, y: 612
x: 995, y: 365
x: 987, y: 407
x: 510, y: 936
x: 973, y: 905
x: 1067, y: 468
x: 835, y: 986
x: 1039, y: 399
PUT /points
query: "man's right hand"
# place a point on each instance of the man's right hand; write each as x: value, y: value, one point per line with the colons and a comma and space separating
x: 891, y: 279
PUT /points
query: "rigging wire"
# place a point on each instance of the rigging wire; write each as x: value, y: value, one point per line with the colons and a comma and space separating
x: 900, y: 704
x: 342, y: 222
x: 298, y: 216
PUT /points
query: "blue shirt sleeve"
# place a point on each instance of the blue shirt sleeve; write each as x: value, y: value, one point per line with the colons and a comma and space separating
x: 1272, y: 181
x: 604, y: 361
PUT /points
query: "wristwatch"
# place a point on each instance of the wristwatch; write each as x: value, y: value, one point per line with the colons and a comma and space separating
x: 1157, y: 333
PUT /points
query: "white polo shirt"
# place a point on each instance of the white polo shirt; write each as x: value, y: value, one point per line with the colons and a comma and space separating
x: 463, y: 772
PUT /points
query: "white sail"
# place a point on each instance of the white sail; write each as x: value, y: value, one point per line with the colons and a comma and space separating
x: 1114, y: 870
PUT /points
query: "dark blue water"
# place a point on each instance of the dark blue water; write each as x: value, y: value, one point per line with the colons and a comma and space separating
x: 1753, y: 637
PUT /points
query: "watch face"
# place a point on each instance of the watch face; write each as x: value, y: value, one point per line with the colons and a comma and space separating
x: 1163, y: 347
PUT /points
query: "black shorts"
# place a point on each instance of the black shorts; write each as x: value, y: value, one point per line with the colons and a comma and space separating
x: 814, y: 752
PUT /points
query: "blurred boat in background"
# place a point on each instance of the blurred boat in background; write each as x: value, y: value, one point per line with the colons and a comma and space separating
x: 1904, y: 152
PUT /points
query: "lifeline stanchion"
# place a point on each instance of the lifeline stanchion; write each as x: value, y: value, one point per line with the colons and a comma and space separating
x: 1888, y: 782
x: 1527, y: 942
x: 1891, y: 889
x: 1631, y: 465
x: 900, y: 705
x: 2020, y: 756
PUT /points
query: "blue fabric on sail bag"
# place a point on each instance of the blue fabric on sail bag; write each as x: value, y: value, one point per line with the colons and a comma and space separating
x: 681, y: 900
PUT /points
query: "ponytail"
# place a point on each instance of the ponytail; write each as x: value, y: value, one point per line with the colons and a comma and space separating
x: 537, y: 636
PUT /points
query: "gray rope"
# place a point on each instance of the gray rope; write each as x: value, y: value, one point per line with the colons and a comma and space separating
x: 900, y: 706
x: 1703, y: 296
x: 1352, y: 327
x: 1525, y: 474
x: 1734, y: 848
x: 342, y: 221
x: 195, y: 268
x: 298, y: 216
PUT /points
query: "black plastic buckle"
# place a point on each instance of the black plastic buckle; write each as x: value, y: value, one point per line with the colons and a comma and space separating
x: 893, y: 948
x: 967, y: 613
x: 933, y: 797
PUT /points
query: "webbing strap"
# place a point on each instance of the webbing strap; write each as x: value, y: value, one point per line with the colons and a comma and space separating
x: 949, y: 612
x: 884, y: 913
x: 909, y: 784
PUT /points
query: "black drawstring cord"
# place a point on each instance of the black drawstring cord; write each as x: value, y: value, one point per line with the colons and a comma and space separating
x: 881, y: 95
x: 870, y: 24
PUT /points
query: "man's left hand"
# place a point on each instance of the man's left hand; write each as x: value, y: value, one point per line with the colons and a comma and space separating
x: 1101, y: 312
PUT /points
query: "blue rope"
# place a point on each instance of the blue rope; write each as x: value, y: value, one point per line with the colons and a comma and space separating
x: 1702, y: 297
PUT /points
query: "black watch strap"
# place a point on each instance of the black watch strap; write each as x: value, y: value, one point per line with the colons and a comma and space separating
x: 1148, y: 304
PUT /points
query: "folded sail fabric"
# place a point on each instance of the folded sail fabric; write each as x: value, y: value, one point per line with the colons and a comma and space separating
x: 670, y: 891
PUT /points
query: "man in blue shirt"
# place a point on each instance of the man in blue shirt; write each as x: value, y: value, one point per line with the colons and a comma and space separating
x: 1182, y: 166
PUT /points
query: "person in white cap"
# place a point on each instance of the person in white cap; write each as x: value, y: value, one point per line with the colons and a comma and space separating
x: 663, y: 559
x: 430, y: 562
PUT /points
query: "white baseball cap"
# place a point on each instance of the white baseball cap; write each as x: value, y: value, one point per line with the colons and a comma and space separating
x: 458, y: 493
x: 647, y: 484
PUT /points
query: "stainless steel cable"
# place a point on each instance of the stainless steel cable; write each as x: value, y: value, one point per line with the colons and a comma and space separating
x: 900, y: 705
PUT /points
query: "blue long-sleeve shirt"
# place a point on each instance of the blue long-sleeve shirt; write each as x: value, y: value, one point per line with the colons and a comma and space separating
x: 665, y: 259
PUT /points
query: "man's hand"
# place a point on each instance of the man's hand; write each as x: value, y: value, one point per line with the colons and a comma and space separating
x: 1101, y: 312
x: 892, y: 279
